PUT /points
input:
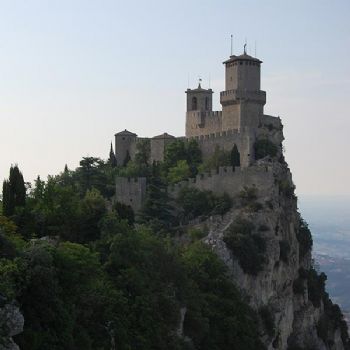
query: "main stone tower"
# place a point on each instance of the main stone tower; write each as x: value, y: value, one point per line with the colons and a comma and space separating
x: 242, y: 101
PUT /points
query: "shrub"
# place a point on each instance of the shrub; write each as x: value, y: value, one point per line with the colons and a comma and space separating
x: 284, y: 250
x: 298, y: 286
x: 248, y: 247
x: 263, y: 228
x: 196, y: 234
x: 264, y: 148
x: 124, y: 212
x: 304, y: 238
x: 195, y: 202
x: 316, y: 286
x: 268, y: 320
x: 181, y: 171
x: 286, y: 189
x: 248, y: 195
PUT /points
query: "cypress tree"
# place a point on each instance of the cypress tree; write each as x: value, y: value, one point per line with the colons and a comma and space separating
x: 235, y: 156
x: 112, y: 159
x: 13, y: 191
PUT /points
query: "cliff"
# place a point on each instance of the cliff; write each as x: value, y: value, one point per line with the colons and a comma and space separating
x: 267, y: 248
x: 11, y: 324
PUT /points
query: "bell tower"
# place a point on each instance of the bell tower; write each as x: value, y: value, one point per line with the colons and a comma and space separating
x: 199, y: 99
x: 242, y: 101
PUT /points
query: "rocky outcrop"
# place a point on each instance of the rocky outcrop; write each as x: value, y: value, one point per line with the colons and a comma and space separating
x: 275, y: 218
x: 11, y: 324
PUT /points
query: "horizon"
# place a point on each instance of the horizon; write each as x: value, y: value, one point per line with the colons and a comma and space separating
x: 75, y: 74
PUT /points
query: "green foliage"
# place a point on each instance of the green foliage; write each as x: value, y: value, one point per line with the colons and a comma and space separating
x: 286, y: 189
x: 157, y: 211
x: 124, y: 212
x: 179, y: 172
x: 248, y: 197
x: 143, y: 152
x: 196, y: 234
x: 216, y: 318
x: 112, y: 160
x: 219, y: 158
x: 298, y: 286
x: 235, y: 157
x: 284, y: 250
x: 196, y: 203
x: 264, y: 148
x: 188, y: 152
x: 13, y: 192
x: 246, y: 245
x: 268, y: 321
x: 316, y: 286
x: 304, y: 238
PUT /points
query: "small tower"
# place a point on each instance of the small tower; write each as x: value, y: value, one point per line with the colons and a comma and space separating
x: 242, y: 101
x: 124, y: 145
x: 199, y: 99
x: 199, y: 106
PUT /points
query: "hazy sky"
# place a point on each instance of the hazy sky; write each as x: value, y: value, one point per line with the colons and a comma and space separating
x: 73, y: 73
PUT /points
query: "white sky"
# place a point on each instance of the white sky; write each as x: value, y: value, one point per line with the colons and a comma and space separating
x: 72, y: 73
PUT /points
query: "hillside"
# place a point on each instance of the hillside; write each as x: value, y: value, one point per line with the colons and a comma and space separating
x: 217, y: 258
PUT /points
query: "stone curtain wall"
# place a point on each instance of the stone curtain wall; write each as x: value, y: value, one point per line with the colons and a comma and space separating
x: 232, y: 182
x: 131, y: 191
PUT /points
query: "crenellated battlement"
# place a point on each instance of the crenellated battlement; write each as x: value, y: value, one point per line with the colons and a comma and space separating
x: 230, y: 181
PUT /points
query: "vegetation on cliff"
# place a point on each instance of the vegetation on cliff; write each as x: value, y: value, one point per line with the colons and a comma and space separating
x: 86, y: 278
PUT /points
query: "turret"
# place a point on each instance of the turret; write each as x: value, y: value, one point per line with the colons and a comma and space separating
x: 199, y: 99
x: 124, y: 146
x: 242, y: 101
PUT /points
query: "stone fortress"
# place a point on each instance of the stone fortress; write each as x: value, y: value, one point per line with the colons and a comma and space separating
x: 241, y: 122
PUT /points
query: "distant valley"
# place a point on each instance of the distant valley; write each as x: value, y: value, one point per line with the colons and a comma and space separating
x: 329, y: 221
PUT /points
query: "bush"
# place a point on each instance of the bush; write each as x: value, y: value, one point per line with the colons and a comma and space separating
x: 284, y: 250
x: 298, y: 286
x: 264, y: 148
x: 268, y: 320
x: 286, y: 189
x: 181, y: 171
x: 316, y: 287
x: 196, y: 234
x: 195, y: 202
x: 304, y: 238
x: 248, y: 247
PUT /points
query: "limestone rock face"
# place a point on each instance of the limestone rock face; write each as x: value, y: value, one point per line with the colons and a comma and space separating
x: 11, y: 324
x: 276, y: 220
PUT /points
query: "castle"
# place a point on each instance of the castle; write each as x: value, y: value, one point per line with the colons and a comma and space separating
x: 241, y: 122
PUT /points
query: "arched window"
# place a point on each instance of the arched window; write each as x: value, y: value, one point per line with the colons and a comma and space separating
x: 194, y: 103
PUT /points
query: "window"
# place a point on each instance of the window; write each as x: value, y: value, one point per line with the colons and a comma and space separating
x: 194, y: 103
x: 207, y: 103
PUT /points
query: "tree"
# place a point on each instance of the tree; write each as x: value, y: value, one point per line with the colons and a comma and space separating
x: 264, y: 148
x: 112, y: 159
x: 156, y: 210
x: 179, y: 172
x: 235, y: 157
x: 174, y: 152
x: 14, y: 191
x: 126, y: 159
x: 143, y: 153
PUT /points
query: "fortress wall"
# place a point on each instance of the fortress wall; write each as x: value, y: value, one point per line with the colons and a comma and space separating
x: 231, y: 116
x: 131, y: 191
x: 226, y: 140
x: 231, y: 182
x: 158, y: 146
x: 201, y: 123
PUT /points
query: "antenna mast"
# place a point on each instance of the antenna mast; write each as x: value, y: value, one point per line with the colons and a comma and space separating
x: 231, y: 44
